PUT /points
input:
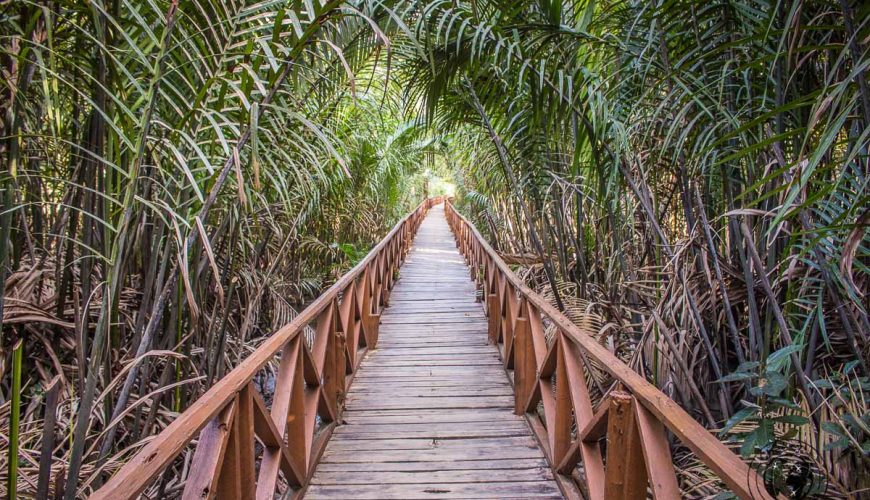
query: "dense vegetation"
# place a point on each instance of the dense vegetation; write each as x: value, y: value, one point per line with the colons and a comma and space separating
x: 688, y: 180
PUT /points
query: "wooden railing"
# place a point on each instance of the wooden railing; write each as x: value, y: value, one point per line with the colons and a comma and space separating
x: 310, y: 382
x: 634, y: 417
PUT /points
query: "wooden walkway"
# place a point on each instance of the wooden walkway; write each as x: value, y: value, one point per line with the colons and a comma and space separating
x: 430, y: 412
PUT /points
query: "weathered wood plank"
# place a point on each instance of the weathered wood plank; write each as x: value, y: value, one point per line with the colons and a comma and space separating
x: 435, y: 392
x: 432, y: 444
x: 428, y: 382
x: 428, y: 416
x: 439, y: 361
x: 435, y: 466
x: 444, y: 403
x: 530, y: 489
x: 430, y: 434
x: 443, y: 476
x: 463, y: 351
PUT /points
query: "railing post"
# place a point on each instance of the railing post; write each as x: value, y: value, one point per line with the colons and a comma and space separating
x: 229, y: 485
x: 339, y: 361
x: 325, y: 359
x: 508, y: 314
x: 247, y: 460
x: 494, y: 310
x: 563, y: 418
x: 472, y: 261
x: 293, y: 418
x: 625, y: 474
x: 494, y: 316
x: 525, y: 373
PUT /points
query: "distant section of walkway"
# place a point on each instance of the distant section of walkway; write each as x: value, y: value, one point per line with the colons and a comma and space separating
x: 430, y: 412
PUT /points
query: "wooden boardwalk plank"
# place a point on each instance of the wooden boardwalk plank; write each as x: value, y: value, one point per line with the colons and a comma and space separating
x: 503, y: 489
x: 435, y: 466
x: 442, y: 476
x: 430, y: 412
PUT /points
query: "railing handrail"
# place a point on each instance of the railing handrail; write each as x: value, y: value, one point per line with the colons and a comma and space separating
x: 733, y: 471
x: 135, y: 475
